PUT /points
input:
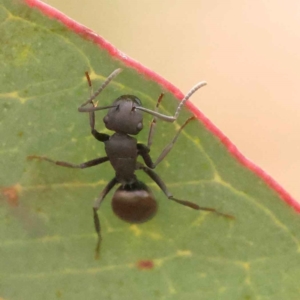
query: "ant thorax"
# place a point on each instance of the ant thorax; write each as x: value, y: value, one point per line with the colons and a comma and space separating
x: 121, y: 150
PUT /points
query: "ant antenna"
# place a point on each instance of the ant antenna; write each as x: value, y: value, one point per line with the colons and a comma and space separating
x: 149, y: 111
x: 170, y: 118
x: 188, y: 96
x: 92, y: 97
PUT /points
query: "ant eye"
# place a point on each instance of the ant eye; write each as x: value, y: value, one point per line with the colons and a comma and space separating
x: 140, y: 126
x: 105, y: 119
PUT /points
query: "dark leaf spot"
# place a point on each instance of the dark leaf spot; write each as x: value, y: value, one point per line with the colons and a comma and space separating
x: 145, y: 264
x: 11, y: 195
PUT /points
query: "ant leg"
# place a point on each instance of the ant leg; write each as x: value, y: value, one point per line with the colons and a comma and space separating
x: 92, y: 108
x: 153, y: 122
x: 168, y: 148
x: 154, y: 176
x: 144, y: 151
x: 102, y: 137
x: 84, y: 165
x: 96, y: 206
x: 91, y: 114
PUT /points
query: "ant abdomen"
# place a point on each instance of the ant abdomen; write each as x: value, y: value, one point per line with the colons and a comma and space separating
x: 134, y: 203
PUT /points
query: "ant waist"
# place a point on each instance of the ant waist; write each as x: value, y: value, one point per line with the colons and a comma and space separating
x: 126, y: 180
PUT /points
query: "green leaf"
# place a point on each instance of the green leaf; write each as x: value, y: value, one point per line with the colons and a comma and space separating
x: 47, y: 237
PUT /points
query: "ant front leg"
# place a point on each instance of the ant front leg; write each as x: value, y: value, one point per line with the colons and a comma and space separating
x: 91, y: 114
x: 90, y: 102
x: 144, y: 150
x: 90, y: 107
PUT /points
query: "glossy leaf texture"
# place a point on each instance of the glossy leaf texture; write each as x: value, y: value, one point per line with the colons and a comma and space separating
x: 47, y: 237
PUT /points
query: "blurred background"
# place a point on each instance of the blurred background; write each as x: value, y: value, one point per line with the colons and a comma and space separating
x: 247, y: 51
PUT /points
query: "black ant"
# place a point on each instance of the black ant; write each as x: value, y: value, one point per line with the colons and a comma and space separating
x: 133, y: 200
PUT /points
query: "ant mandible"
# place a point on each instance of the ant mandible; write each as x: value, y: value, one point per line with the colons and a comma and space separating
x: 133, y: 200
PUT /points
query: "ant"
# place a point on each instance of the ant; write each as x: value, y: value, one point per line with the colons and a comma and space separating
x: 133, y: 201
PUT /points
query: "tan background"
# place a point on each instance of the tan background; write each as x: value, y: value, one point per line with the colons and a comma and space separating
x: 247, y: 51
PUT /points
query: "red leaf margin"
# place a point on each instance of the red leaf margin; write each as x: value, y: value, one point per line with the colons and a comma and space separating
x: 102, y: 43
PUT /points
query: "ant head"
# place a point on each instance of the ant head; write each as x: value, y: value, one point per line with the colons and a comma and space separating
x: 124, y: 117
x: 134, y: 203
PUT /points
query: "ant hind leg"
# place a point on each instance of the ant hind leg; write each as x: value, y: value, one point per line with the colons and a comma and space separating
x: 96, y: 206
x: 154, y: 176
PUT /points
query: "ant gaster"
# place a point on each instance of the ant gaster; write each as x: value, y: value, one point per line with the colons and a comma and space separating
x: 133, y: 200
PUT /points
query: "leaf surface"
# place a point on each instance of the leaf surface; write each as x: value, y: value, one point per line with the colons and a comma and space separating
x: 47, y: 237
